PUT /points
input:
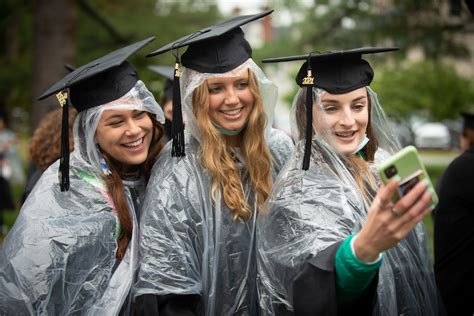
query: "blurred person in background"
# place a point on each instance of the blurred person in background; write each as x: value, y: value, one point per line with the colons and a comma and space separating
x: 6, y: 198
x: 11, y: 171
x: 454, y: 228
x: 11, y: 157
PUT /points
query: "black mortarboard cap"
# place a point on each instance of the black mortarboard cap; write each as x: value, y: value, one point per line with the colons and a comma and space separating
x: 215, y: 49
x: 335, y: 72
x: 101, y: 81
x: 468, y: 120
x: 103, y: 68
x: 168, y: 73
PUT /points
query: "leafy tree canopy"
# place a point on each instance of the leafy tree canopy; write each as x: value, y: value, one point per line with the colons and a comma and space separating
x: 430, y: 88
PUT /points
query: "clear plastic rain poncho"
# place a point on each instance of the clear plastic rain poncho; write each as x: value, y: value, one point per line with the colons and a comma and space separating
x: 190, y: 244
x: 59, y: 257
x: 308, y: 211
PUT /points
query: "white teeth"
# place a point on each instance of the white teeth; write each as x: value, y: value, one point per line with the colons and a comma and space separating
x: 344, y: 134
x: 232, y: 112
x: 135, y: 143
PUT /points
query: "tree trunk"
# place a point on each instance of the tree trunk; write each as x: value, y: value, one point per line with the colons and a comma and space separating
x: 54, y: 25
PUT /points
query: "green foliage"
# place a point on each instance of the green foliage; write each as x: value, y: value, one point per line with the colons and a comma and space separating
x: 435, y: 172
x: 317, y: 26
x: 136, y: 20
x: 324, y: 25
x: 15, y: 53
x: 102, y: 26
x: 427, y: 88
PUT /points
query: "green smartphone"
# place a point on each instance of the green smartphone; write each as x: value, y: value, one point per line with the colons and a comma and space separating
x: 409, y: 167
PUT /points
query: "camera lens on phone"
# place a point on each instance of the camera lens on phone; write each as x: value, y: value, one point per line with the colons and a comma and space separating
x: 390, y: 172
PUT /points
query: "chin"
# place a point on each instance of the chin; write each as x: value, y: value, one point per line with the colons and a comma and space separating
x: 134, y: 161
x: 346, y: 150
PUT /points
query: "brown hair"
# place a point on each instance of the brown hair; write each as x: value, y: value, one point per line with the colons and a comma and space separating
x: 116, y: 189
x: 45, y: 144
x: 217, y: 158
x: 356, y: 164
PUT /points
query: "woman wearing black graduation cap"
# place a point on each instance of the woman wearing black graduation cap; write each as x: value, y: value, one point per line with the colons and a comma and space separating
x: 198, y: 222
x: 330, y: 242
x: 73, y: 248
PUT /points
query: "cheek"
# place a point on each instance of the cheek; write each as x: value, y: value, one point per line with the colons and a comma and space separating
x: 100, y: 136
x: 215, y: 100
x: 247, y: 97
x: 323, y: 121
x: 147, y: 124
x: 363, y: 119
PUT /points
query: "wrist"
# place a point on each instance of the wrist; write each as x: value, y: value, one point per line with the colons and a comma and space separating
x: 363, y: 250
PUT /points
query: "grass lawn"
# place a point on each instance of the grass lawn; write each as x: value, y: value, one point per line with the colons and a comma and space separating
x: 435, y: 162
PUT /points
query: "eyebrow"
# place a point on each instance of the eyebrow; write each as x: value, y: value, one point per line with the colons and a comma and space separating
x: 114, y: 117
x: 337, y: 101
x: 121, y: 116
x: 242, y: 77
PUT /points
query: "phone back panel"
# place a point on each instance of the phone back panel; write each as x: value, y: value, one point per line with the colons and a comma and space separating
x: 406, y: 162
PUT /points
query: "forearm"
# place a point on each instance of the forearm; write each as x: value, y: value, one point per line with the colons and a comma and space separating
x: 353, y: 276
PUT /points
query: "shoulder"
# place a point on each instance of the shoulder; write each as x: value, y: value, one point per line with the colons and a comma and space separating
x: 278, y: 138
x: 281, y: 147
x: 169, y: 171
x: 461, y: 167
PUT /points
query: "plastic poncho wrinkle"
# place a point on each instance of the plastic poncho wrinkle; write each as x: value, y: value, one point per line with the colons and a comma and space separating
x: 190, y: 244
x: 308, y: 211
x: 59, y: 257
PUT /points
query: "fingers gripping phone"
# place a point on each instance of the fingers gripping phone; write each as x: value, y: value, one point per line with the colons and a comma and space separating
x: 409, y: 167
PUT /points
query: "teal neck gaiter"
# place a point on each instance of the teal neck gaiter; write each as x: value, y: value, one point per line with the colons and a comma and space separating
x: 227, y: 132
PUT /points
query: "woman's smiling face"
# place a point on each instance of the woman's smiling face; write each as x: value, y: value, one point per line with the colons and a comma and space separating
x: 125, y: 135
x: 230, y: 101
x: 343, y: 118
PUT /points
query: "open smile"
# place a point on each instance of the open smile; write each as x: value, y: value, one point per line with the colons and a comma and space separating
x: 346, y: 136
x: 136, y: 145
x: 232, y: 114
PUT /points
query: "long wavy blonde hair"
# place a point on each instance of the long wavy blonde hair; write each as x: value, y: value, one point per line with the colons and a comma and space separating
x: 217, y: 158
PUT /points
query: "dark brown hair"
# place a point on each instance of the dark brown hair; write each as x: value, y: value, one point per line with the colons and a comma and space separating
x: 116, y: 189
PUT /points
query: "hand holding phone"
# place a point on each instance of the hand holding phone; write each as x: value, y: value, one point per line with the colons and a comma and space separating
x: 408, y: 167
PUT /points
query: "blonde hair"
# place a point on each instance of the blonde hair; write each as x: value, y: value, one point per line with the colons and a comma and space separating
x: 217, y: 158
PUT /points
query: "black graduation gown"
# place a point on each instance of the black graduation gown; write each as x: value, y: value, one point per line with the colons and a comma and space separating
x: 318, y: 275
x: 454, y: 236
